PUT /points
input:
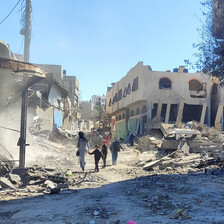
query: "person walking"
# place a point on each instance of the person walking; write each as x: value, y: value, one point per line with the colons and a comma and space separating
x: 104, y: 153
x: 82, y: 149
x: 115, y: 148
x: 132, y: 138
x: 97, y: 155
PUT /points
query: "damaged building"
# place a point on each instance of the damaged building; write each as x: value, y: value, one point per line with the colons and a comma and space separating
x: 55, y: 100
x: 144, y: 98
x: 16, y: 77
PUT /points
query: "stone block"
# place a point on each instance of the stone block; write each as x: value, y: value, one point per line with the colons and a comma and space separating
x: 15, y: 179
x: 5, y: 183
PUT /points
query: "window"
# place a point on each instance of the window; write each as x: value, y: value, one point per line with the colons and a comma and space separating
x: 194, y: 85
x: 123, y: 116
x: 137, y: 111
x: 165, y: 83
x: 129, y: 89
x: 115, y: 99
x: 135, y: 84
x: 132, y: 113
x: 144, y: 109
x: 119, y: 97
x: 125, y: 92
x: 109, y: 104
x: 119, y: 117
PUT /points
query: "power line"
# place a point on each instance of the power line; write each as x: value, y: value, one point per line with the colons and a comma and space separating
x: 10, y: 12
x: 11, y: 129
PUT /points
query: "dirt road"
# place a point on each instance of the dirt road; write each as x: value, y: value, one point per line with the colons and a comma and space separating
x: 120, y: 193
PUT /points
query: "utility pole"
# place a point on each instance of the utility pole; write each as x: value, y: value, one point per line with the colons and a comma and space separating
x: 23, y: 124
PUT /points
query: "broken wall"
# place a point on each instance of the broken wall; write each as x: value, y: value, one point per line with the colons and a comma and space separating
x: 47, y: 118
x: 58, y: 118
x: 120, y: 127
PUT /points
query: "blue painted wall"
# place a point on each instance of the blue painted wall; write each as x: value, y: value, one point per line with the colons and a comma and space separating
x: 58, y: 118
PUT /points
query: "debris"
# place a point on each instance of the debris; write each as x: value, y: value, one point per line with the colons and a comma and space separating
x: 49, y: 184
x: 15, y: 179
x: 4, y: 169
x: 5, y: 183
x: 69, y: 173
x: 57, y: 178
x: 95, y: 213
x: 55, y: 190
x: 6, y: 157
x: 92, y: 222
x: 221, y: 157
x: 61, y: 136
x: 179, y: 214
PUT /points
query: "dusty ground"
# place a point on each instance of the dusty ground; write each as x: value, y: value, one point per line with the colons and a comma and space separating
x: 117, y: 193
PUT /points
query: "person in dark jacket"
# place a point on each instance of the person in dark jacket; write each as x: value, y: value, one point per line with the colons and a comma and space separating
x: 132, y: 138
x: 115, y: 148
x: 104, y: 153
x: 97, y: 155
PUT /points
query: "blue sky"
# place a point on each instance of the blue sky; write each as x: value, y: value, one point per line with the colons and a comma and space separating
x: 99, y: 41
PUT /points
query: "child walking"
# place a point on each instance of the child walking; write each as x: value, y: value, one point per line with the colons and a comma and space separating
x: 97, y: 155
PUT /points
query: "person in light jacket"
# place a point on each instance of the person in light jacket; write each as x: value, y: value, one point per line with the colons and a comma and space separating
x: 82, y: 148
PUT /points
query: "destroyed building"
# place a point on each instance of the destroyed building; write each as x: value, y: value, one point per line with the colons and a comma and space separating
x: 16, y: 76
x: 56, y: 104
x: 144, y: 97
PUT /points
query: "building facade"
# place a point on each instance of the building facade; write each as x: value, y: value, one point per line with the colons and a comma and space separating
x: 135, y: 101
x: 98, y: 101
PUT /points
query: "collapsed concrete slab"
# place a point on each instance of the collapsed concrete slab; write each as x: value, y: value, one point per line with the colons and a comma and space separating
x: 15, y: 179
x: 6, y: 157
x: 5, y: 183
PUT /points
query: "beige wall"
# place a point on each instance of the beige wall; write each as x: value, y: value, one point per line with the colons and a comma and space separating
x: 148, y: 89
x: 47, y: 117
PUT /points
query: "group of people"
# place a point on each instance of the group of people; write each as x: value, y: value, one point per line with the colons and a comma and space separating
x: 83, y: 148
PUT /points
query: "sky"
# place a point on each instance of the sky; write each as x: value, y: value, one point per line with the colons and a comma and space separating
x: 99, y: 41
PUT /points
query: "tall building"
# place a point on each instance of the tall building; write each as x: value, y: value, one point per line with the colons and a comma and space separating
x: 98, y: 101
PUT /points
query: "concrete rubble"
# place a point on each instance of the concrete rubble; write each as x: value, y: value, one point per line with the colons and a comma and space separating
x: 62, y: 136
x: 189, y: 149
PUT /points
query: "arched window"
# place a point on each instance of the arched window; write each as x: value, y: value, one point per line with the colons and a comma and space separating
x: 119, y: 117
x: 109, y: 104
x: 125, y: 92
x: 144, y: 109
x: 119, y: 96
x: 115, y: 99
x: 129, y: 89
x: 135, y: 84
x: 123, y: 116
x: 137, y: 112
x: 165, y: 83
x: 194, y: 85
x: 132, y: 113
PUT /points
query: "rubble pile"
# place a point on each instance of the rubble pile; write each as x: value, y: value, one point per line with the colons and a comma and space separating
x: 190, y: 149
x: 31, y: 180
x: 6, y: 161
x: 37, y: 180
x: 62, y: 136
x: 149, y: 142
